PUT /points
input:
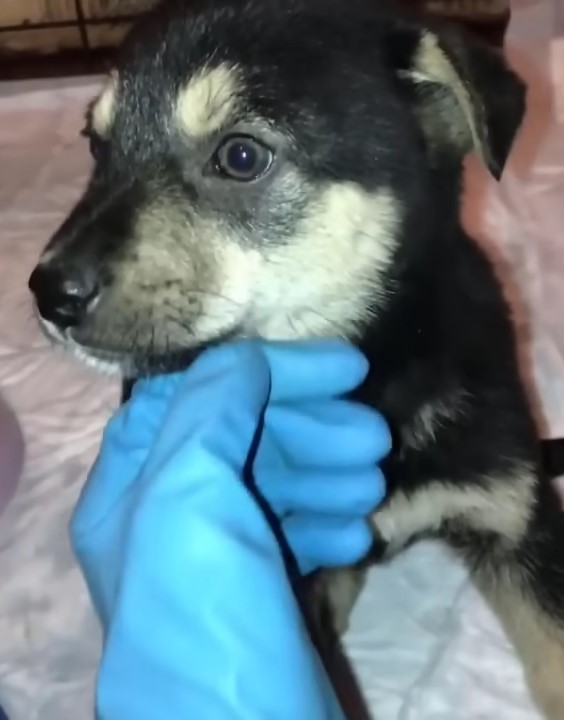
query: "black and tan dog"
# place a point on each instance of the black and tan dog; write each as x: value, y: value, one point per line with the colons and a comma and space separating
x: 292, y: 168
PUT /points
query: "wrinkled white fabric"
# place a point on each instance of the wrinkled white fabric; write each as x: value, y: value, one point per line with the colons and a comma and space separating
x: 423, y: 644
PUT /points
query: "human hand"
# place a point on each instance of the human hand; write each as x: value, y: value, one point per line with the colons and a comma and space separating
x: 165, y: 512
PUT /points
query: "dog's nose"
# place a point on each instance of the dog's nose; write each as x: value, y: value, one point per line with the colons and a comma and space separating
x: 62, y: 296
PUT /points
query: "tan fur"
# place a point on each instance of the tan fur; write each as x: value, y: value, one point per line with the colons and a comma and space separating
x: 424, y: 426
x: 103, y: 111
x: 208, y: 101
x: 336, y: 590
x: 181, y: 282
x: 442, y: 116
x: 537, y: 638
x: 299, y: 294
x: 196, y: 280
x: 503, y: 504
x: 166, y: 277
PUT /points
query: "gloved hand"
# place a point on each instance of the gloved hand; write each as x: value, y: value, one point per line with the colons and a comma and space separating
x: 184, y: 570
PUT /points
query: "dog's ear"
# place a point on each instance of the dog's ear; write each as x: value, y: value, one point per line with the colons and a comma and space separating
x: 464, y: 92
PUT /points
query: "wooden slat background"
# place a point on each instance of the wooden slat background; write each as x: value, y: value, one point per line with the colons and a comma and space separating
x: 107, y: 8
x: 21, y: 13
x: 88, y: 47
x: 17, y: 12
x: 31, y: 47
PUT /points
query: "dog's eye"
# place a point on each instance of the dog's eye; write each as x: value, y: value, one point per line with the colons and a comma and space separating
x: 243, y: 158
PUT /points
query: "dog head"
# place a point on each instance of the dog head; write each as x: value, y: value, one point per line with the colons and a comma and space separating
x: 259, y: 167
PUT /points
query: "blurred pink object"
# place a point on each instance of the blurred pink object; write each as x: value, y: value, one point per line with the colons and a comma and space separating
x: 11, y: 454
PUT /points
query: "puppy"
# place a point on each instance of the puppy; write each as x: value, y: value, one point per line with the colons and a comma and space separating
x: 292, y: 168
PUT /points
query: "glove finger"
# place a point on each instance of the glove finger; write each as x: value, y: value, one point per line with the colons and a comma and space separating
x: 300, y: 369
x: 319, y: 541
x: 351, y: 491
x: 310, y: 369
x: 331, y: 433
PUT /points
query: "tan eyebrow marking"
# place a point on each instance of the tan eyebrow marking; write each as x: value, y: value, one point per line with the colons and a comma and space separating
x: 208, y: 100
x: 103, y: 111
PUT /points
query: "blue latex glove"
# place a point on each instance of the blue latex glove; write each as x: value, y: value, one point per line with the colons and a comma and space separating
x: 183, y: 567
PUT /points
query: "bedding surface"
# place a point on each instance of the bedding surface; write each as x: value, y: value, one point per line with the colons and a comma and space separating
x: 423, y: 644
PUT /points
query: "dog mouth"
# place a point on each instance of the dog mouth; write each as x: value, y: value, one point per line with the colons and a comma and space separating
x: 134, y: 363
x: 107, y: 362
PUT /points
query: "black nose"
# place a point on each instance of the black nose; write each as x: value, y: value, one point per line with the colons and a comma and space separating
x: 62, y: 295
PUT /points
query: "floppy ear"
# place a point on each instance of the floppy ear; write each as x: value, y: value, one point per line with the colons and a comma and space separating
x: 466, y: 95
